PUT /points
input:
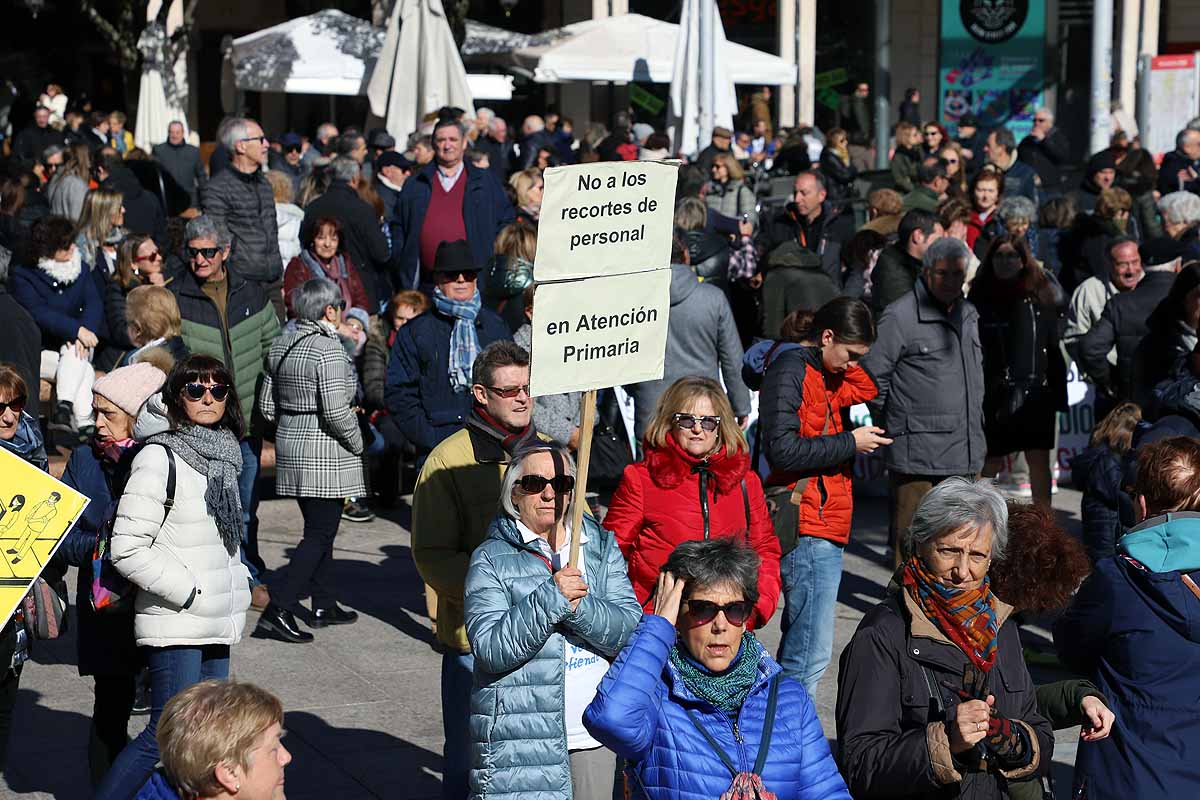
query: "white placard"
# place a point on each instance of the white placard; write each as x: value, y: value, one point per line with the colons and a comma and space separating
x: 599, y: 333
x: 607, y: 218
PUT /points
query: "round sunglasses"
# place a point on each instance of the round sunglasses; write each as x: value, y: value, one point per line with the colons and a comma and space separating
x: 702, y: 612
x: 688, y: 422
x: 536, y: 484
x: 196, y: 391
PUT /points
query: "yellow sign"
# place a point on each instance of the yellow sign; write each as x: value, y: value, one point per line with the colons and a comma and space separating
x: 36, y: 511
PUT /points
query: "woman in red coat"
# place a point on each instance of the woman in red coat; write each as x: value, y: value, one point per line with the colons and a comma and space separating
x: 695, y: 483
x: 324, y: 256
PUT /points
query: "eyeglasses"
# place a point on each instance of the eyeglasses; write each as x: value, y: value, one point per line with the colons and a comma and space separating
x: 262, y: 139
x: 688, y: 422
x: 293, y: 148
x: 155, y: 256
x: 462, y: 275
x: 17, y: 404
x: 509, y: 392
x: 196, y: 391
x: 536, y: 484
x: 950, y: 160
x: 933, y: 133
x: 703, y: 612
x: 209, y: 253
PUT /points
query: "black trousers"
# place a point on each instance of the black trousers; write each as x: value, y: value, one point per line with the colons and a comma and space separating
x: 312, y: 564
x: 110, y: 722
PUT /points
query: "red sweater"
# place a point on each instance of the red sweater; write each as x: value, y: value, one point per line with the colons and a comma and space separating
x: 657, y: 507
x: 297, y: 273
x: 443, y: 220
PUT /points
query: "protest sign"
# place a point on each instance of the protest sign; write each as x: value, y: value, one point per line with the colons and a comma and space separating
x: 606, y: 218
x: 36, y: 511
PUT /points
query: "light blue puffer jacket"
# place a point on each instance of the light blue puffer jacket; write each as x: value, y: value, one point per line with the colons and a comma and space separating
x: 516, y: 619
x: 640, y: 712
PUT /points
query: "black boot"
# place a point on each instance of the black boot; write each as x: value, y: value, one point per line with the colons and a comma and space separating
x: 280, y: 623
x: 334, y: 615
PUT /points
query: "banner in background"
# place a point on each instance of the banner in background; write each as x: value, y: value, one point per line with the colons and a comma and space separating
x: 992, y: 62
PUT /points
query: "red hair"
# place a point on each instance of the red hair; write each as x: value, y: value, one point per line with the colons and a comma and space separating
x: 1043, y: 565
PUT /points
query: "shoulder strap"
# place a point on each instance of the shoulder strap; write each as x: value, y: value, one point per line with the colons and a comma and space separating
x: 768, y: 725
x: 725, y: 759
x: 170, y: 501
x: 746, y: 506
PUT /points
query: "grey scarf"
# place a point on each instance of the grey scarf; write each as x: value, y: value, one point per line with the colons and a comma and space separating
x: 216, y: 454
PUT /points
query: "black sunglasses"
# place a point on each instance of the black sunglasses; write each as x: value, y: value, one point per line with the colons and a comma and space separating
x: 462, y: 274
x: 536, y: 484
x: 688, y: 422
x: 17, y: 404
x: 703, y: 612
x: 209, y: 253
x: 293, y: 148
x: 195, y: 391
x: 509, y: 392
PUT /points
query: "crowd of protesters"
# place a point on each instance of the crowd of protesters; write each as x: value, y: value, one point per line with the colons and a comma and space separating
x: 365, y: 307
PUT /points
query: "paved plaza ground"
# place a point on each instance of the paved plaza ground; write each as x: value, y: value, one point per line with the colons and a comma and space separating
x: 362, y: 701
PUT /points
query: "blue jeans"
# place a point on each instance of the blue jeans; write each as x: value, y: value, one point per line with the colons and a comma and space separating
x: 458, y: 671
x: 172, y: 669
x: 811, y: 574
x: 248, y: 489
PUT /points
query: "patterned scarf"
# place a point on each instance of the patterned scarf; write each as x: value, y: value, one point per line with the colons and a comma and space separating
x: 508, y: 440
x: 726, y: 690
x: 215, y: 454
x: 336, y: 273
x: 966, y: 616
x: 464, y: 341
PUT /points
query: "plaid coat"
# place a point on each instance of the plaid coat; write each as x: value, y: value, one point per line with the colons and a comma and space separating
x: 318, y: 445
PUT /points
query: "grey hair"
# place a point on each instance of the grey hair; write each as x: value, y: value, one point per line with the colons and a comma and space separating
x: 327, y: 129
x: 945, y: 249
x: 484, y: 113
x: 450, y: 123
x: 344, y: 169
x: 516, y: 470
x: 1016, y: 209
x: 233, y: 131
x: 205, y: 227
x: 956, y: 503
x: 706, y: 563
x: 691, y: 214
x: 1180, y: 208
x: 1045, y: 111
x: 178, y: 122
x: 52, y: 150
x: 313, y: 296
x: 1182, y: 137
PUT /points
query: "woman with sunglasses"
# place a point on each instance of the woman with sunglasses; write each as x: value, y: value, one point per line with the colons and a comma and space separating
x: 139, y: 263
x: 695, y: 702
x: 309, y: 387
x: 951, y: 153
x: 695, y: 483
x: 542, y: 632
x: 175, y: 537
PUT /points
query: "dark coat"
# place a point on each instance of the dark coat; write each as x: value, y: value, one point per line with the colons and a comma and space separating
x: 1048, y: 156
x: 31, y: 142
x: 363, y: 237
x: 895, y: 274
x: 419, y: 396
x: 1168, y: 174
x: 21, y: 346
x: 1136, y: 172
x: 1097, y: 472
x: 245, y: 205
x: 502, y: 156
x: 105, y: 642
x: 60, y: 308
x: 824, y: 236
x: 143, y: 212
x: 184, y: 167
x: 486, y: 211
x: 905, y: 161
x: 1020, y: 179
x: 1133, y: 630
x: 839, y: 175
x: 1123, y: 324
x: 892, y: 703
x: 795, y: 281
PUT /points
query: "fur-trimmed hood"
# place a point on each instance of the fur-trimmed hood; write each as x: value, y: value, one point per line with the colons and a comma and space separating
x: 671, y: 465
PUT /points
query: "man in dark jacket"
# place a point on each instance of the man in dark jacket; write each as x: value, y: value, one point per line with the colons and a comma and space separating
x: 472, y: 205
x: 31, y: 142
x: 240, y: 198
x: 809, y: 221
x: 363, y: 241
x: 1099, y: 175
x: 900, y: 264
x: 21, y: 344
x: 928, y: 341
x: 1019, y: 177
x: 421, y: 395
x: 722, y: 141
x: 501, y: 152
x: 932, y: 183
x: 1180, y: 169
x: 182, y: 163
x: 858, y: 118
x: 1047, y: 150
x: 143, y: 212
x: 288, y: 159
x: 1122, y: 325
x: 971, y: 139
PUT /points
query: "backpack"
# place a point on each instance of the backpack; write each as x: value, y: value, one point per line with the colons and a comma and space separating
x: 45, y: 610
x: 112, y: 593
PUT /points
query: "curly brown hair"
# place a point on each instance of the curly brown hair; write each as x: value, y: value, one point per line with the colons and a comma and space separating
x: 1043, y: 564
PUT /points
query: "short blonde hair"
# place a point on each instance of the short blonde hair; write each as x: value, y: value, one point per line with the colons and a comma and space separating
x: 154, y: 311
x: 522, y: 182
x: 209, y: 724
x: 679, y: 397
x: 517, y: 240
x: 281, y: 186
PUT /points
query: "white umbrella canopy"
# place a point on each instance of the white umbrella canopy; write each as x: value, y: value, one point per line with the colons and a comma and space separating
x: 419, y: 69
x: 632, y: 47
x: 689, y: 127
x: 329, y: 52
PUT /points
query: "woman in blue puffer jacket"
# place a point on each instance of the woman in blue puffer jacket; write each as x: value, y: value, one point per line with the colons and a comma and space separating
x: 692, y: 699
x: 1098, y: 472
x: 542, y: 633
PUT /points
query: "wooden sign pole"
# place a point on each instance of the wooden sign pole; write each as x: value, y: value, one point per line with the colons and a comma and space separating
x: 587, y: 421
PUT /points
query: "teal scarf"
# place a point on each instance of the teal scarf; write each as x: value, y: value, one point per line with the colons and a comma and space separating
x: 726, y: 690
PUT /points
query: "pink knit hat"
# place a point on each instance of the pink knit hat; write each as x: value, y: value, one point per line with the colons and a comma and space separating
x: 129, y: 387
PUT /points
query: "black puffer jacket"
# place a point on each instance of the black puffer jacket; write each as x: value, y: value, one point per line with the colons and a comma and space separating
x: 898, y: 661
x: 1123, y: 324
x: 143, y: 212
x: 1097, y: 472
x: 708, y: 254
x: 245, y: 204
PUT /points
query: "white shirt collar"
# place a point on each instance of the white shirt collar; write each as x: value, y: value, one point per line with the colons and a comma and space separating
x: 529, y: 537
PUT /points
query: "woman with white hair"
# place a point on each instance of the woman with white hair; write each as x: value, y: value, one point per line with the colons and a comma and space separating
x: 933, y: 692
x: 1181, y: 222
x: 543, y: 633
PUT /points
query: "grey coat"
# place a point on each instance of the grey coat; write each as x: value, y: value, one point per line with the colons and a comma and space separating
x: 702, y: 339
x: 318, y: 445
x: 66, y: 194
x: 517, y: 621
x: 245, y: 205
x: 184, y: 165
x: 556, y: 415
x: 929, y: 368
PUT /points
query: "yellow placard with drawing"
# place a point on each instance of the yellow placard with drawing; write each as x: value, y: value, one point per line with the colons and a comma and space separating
x: 36, y: 511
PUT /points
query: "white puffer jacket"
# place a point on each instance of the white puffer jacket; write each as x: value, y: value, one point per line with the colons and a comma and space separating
x: 167, y: 560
